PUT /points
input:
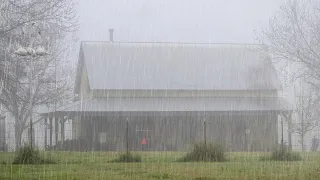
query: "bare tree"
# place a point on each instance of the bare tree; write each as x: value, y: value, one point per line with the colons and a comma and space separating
x: 307, y: 112
x: 33, y: 24
x: 293, y: 37
x: 59, y: 14
x: 17, y: 15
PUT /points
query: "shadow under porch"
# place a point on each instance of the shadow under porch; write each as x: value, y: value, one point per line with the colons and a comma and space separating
x: 177, y: 132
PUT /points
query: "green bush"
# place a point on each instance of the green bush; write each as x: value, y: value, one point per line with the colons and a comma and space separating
x: 206, y: 153
x: 28, y: 155
x: 159, y: 176
x: 128, y: 157
x: 283, y: 154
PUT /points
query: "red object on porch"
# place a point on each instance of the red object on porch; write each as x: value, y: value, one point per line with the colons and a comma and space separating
x: 144, y: 141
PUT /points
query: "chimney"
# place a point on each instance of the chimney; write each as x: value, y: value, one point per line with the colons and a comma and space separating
x: 111, y: 35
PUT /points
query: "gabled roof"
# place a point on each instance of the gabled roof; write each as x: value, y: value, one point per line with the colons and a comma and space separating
x: 176, y: 66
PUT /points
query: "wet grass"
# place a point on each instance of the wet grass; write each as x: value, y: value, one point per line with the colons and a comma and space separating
x: 161, y: 165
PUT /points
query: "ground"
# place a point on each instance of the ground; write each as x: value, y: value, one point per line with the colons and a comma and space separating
x: 161, y: 165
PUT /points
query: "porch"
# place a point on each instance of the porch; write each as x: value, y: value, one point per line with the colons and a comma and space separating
x: 248, y: 124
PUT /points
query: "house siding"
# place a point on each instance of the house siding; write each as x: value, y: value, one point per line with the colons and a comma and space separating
x: 179, y: 132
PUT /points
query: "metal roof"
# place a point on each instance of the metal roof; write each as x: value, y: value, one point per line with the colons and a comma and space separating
x: 164, y: 104
x: 117, y: 65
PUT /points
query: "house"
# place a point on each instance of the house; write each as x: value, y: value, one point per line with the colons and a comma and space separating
x: 166, y: 96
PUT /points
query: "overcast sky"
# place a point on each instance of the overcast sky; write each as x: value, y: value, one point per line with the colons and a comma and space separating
x: 207, y: 21
x: 217, y: 21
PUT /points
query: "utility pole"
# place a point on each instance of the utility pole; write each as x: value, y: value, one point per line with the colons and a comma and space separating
x: 31, y: 53
x: 55, y: 100
x: 301, y: 99
x: 31, y: 107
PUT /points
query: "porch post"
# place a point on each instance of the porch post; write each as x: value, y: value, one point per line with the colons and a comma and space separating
x: 45, y: 132
x: 290, y: 131
x: 288, y: 117
x: 205, y: 131
x: 56, y: 128
x: 62, y: 121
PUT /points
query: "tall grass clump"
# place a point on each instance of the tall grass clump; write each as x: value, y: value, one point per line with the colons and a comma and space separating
x: 283, y: 154
x: 28, y: 155
x: 205, y: 153
x: 127, y: 157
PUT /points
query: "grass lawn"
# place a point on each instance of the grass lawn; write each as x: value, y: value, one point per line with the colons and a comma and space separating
x: 160, y: 165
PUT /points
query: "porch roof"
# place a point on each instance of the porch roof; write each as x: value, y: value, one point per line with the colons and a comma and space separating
x: 105, y: 106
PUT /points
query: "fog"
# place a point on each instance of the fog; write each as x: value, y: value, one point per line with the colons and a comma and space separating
x: 165, y: 80
x: 203, y: 21
x: 214, y: 21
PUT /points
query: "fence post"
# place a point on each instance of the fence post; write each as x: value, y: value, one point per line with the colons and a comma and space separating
x: 205, y: 131
x: 45, y: 132
x: 93, y: 135
x: 282, y: 143
x: 51, y: 126
x: 127, y: 136
x: 290, y: 131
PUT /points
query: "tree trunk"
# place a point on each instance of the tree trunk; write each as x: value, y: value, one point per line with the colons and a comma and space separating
x: 19, y: 128
x: 302, y: 143
x: 18, y: 137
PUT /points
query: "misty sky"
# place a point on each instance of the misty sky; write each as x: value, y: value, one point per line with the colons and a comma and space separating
x: 209, y: 21
x: 217, y: 21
